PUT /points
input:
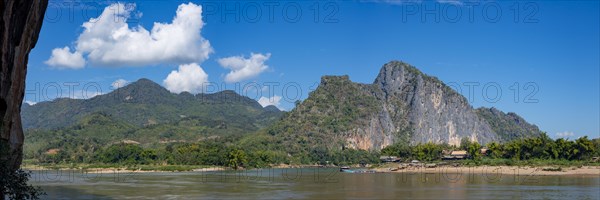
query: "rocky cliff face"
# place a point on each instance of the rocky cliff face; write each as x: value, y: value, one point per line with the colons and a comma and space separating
x: 402, y: 104
x: 20, y: 24
x: 427, y: 108
x: 418, y: 108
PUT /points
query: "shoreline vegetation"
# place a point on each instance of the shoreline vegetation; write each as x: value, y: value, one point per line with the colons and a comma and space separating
x: 560, y: 156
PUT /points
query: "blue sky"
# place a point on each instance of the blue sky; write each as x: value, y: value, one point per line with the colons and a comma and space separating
x: 546, y: 52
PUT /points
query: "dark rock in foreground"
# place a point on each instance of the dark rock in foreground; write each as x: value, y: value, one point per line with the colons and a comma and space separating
x: 20, y: 24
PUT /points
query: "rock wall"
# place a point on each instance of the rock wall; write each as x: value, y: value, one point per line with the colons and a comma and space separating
x: 20, y: 24
x: 434, y: 112
x: 418, y: 108
x: 402, y: 104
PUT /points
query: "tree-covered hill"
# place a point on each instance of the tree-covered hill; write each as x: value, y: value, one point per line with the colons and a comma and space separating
x: 340, y: 121
x: 144, y: 103
x: 142, y: 112
x: 508, y: 126
x: 403, y: 104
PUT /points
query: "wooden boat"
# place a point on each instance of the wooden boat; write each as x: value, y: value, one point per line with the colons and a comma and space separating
x: 346, y: 169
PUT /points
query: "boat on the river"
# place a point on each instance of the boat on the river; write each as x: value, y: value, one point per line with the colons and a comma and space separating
x: 347, y: 169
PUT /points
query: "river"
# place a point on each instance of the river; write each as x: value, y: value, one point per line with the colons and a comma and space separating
x: 310, y: 183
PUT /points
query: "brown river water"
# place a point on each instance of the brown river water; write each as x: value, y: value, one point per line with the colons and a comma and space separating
x: 310, y: 183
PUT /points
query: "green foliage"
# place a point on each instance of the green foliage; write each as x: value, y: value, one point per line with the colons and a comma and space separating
x: 211, y: 129
x: 428, y: 151
x: 424, y: 152
x: 208, y: 152
x: 145, y: 103
x: 127, y: 154
x: 472, y: 148
x: 82, y: 141
x: 142, y: 111
x: 596, y: 150
x: 13, y: 183
x: 400, y: 149
x: 236, y: 158
x: 508, y: 126
x: 309, y: 133
x: 541, y: 150
x: 543, y: 147
x: 494, y: 150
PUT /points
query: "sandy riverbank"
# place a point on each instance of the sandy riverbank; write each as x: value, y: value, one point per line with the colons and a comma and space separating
x: 507, y: 170
x: 119, y: 170
x: 484, y: 170
x: 147, y: 169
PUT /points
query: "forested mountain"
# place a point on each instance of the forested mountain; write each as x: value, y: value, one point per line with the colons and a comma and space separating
x: 144, y: 103
x: 143, y: 113
x: 508, y: 126
x: 401, y: 105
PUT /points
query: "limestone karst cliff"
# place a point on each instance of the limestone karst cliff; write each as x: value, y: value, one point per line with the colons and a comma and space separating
x: 432, y: 111
x: 402, y: 104
x: 20, y: 24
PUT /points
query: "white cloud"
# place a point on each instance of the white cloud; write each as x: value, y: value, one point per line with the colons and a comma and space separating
x: 272, y: 101
x: 119, y: 83
x: 244, y: 68
x: 31, y: 103
x: 565, y: 134
x: 190, y: 78
x: 109, y: 41
x: 62, y: 58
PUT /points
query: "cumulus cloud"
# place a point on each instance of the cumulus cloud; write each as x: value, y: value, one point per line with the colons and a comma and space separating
x: 119, y: 83
x: 244, y: 68
x: 31, y: 103
x: 271, y: 101
x: 62, y: 58
x: 189, y: 78
x: 565, y: 134
x: 109, y: 41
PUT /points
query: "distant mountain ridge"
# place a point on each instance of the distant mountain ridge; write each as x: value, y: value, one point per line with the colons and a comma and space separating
x: 508, y: 126
x: 144, y: 102
x: 402, y: 104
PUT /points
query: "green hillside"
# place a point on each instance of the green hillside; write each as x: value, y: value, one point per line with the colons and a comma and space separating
x: 144, y: 103
x: 141, y: 113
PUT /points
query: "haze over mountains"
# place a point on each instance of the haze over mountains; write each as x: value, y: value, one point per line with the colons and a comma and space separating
x: 401, y: 105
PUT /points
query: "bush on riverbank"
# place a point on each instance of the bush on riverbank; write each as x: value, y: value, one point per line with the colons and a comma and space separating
x: 228, y: 152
